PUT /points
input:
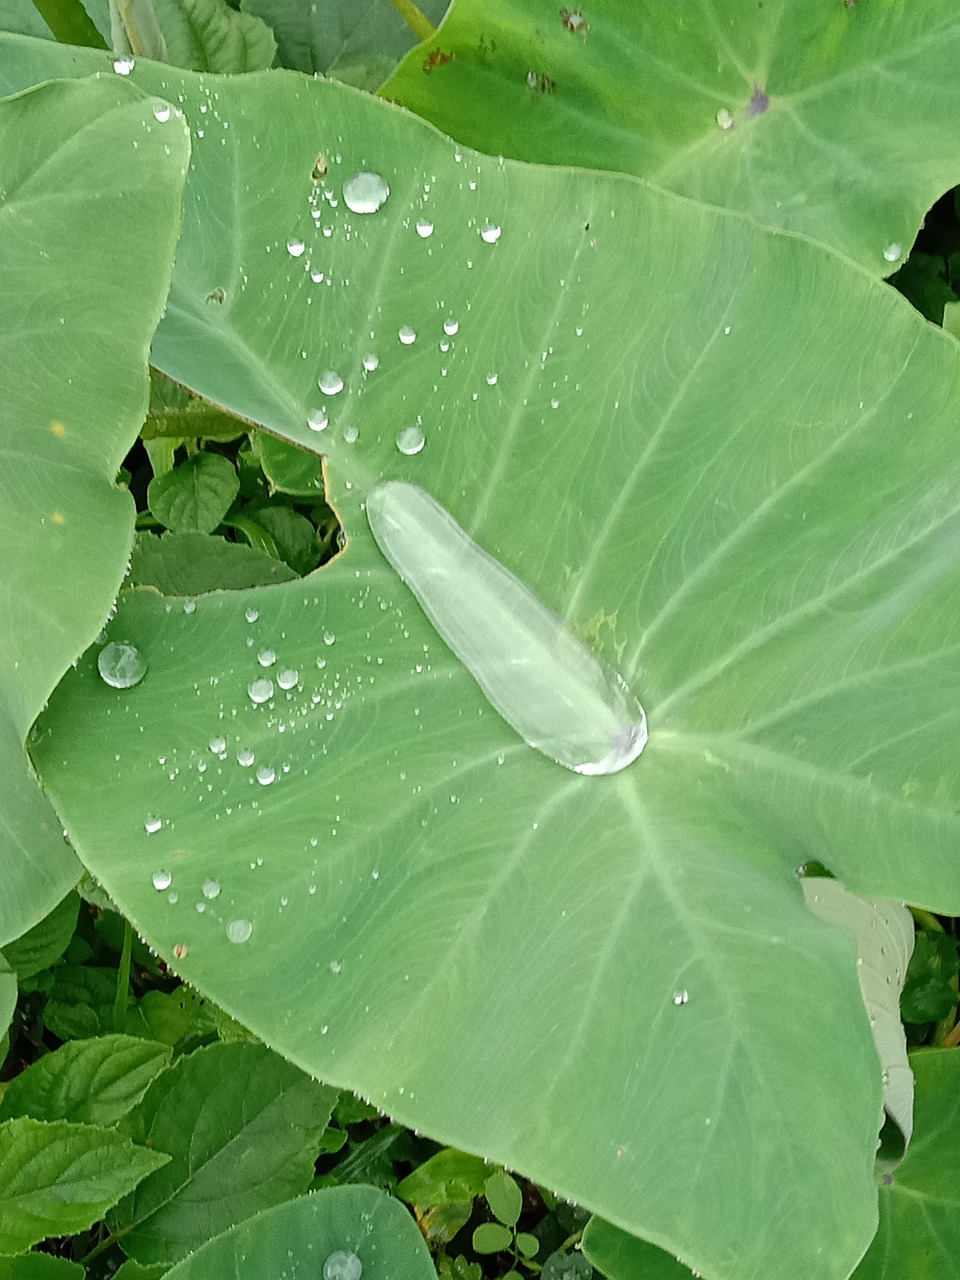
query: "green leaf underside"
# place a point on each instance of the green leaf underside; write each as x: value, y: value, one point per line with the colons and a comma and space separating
x: 761, y: 536
x: 46, y: 941
x: 620, y: 1256
x: 638, y: 88
x: 94, y: 180
x: 39, y: 1266
x: 189, y: 564
x: 297, y: 1239
x: 57, y: 1179
x: 239, y: 1124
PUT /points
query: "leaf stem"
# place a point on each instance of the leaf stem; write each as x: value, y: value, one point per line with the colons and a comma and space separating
x: 418, y: 22
x: 123, y: 980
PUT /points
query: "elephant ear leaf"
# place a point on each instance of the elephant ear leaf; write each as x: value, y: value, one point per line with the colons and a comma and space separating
x: 883, y: 932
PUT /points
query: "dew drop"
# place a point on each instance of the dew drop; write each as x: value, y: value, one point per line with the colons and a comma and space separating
x: 371, y: 362
x: 351, y: 435
x: 239, y: 930
x: 424, y: 228
x: 266, y: 657
x: 491, y: 379
x: 407, y: 335
x: 295, y: 247
x: 246, y: 757
x: 152, y: 823
x: 342, y: 1265
x: 724, y: 118
x: 410, y: 440
x: 330, y: 383
x: 162, y: 112
x: 893, y: 252
x: 489, y: 233
x: 450, y: 327
x: 251, y: 615
x: 365, y: 193
x: 217, y: 745
x: 317, y: 420
x: 161, y: 880
x: 288, y: 677
x: 123, y: 66
x: 681, y: 997
x: 328, y: 638
x: 260, y: 691
x: 210, y: 889
x: 121, y: 665
x: 265, y: 775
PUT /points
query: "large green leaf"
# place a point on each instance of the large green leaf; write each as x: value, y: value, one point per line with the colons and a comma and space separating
x: 328, y: 1233
x: 737, y: 484
x: 836, y: 120
x: 88, y: 176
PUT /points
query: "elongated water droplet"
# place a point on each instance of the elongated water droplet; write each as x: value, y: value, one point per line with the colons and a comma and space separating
x: 410, y: 440
x: 559, y: 696
x: 365, y: 193
x: 342, y: 1265
x: 121, y: 665
x: 239, y: 930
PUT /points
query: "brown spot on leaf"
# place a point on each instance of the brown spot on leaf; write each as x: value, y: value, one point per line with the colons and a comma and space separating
x: 319, y: 171
x: 539, y: 84
x: 437, y: 58
x: 573, y: 20
x: 216, y: 295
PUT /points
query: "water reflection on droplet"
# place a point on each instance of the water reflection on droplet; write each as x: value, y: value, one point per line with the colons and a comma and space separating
x: 260, y: 691
x: 410, y: 440
x: 161, y: 880
x: 123, y: 66
x: 295, y: 247
x: 330, y: 383
x: 365, y: 193
x: 239, y: 930
x: 407, y: 335
x: 489, y: 233
x: 342, y: 1265
x: 424, y: 228
x: 121, y: 665
x: 317, y: 420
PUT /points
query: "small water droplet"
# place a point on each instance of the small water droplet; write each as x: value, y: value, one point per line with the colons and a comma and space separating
x: 123, y: 66
x: 330, y: 383
x: 210, y: 889
x: 246, y: 757
x: 121, y: 665
x: 316, y: 276
x: 295, y: 247
x: 161, y: 880
x: 288, y: 677
x: 260, y: 691
x: 491, y: 379
x: 351, y: 435
x: 410, y: 440
x: 450, y: 327
x: 328, y: 638
x: 724, y: 118
x: 365, y: 193
x: 239, y: 930
x: 489, y: 233
x: 266, y: 657
x: 371, y: 362
x: 173, y: 898
x: 342, y: 1265
x: 335, y: 966
x: 189, y: 606
x: 265, y: 775
x: 681, y: 997
x: 424, y: 228
x: 252, y: 615
x: 217, y: 745
x: 407, y: 335
x: 152, y: 823
x: 893, y: 252
x: 162, y: 112
x: 317, y: 420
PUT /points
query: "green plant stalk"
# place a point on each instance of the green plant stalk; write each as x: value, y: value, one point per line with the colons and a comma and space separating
x: 418, y: 22
x: 70, y: 22
x: 123, y: 980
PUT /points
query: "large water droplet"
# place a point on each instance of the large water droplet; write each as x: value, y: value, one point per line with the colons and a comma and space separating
x: 246, y: 757
x: 121, y: 665
x: 407, y: 335
x: 410, y: 440
x: 217, y: 745
x: 265, y: 775
x: 162, y: 112
x: 342, y: 1266
x: 123, y: 66
x: 210, y: 889
x: 555, y: 692
x: 450, y: 327
x: 330, y: 383
x: 365, y: 193
x: 239, y: 930
x: 295, y: 247
x: 260, y: 691
x: 161, y: 880
x: 893, y: 252
x: 288, y: 677
x: 267, y: 657
x: 424, y: 228
x: 489, y: 233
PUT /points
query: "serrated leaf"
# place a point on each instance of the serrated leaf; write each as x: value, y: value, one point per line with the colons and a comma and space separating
x: 170, y: 1017
x: 504, y: 1197
x: 57, y: 1179
x: 39, y: 1266
x: 238, y: 1123
x: 883, y: 932
x: 190, y: 564
x: 46, y: 942
x: 195, y: 496
x: 210, y: 35
x: 81, y: 1002
x: 95, y: 1081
